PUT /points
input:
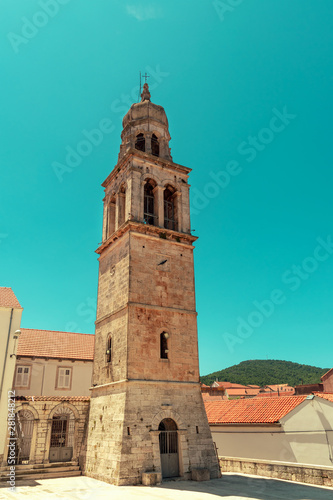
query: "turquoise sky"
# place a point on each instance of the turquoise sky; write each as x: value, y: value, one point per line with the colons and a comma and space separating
x: 247, y: 87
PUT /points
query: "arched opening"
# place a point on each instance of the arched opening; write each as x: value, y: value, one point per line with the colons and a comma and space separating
x: 149, y: 215
x: 24, y: 426
x: 140, y: 142
x: 155, y: 146
x: 169, y: 209
x: 62, y: 435
x: 168, y: 439
x: 164, y: 345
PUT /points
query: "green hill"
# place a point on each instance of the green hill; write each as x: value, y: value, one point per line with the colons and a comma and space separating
x: 267, y: 371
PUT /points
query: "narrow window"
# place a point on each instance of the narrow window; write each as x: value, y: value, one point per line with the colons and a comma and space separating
x: 197, y: 429
x: 128, y: 431
x: 169, y: 210
x: 140, y: 143
x: 164, y: 345
x: 149, y: 204
x: 64, y: 378
x: 109, y: 350
x: 22, y: 376
x: 155, y: 147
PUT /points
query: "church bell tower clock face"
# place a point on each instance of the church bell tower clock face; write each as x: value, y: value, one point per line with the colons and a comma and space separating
x: 146, y: 409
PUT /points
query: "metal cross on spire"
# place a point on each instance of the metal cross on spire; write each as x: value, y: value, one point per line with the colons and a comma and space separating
x: 145, y: 94
x: 145, y: 76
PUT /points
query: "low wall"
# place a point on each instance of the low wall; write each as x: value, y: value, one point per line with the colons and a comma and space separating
x: 311, y: 474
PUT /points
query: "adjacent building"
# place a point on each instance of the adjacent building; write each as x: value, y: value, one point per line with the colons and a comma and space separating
x: 50, y: 380
x: 296, y: 429
x: 10, y: 320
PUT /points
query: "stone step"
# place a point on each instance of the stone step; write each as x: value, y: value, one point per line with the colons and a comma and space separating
x: 40, y: 466
x: 46, y: 475
x: 43, y: 472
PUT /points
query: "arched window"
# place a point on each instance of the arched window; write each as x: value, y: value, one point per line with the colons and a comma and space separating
x: 109, y: 350
x: 140, y: 143
x: 149, y: 203
x: 24, y: 425
x: 155, y: 147
x: 164, y: 345
x: 169, y: 209
x: 62, y: 435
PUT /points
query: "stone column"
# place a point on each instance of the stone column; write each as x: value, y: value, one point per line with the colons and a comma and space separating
x: 105, y: 217
x: 111, y: 219
x: 177, y: 199
x: 159, y: 205
x: 148, y: 142
x: 120, y: 209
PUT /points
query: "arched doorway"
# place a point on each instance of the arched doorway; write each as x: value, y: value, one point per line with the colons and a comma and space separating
x: 168, y: 438
x: 24, y: 426
x: 62, y: 435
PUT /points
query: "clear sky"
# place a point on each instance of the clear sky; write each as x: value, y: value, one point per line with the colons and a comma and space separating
x: 247, y: 87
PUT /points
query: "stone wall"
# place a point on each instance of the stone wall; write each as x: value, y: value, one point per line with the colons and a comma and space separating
x: 123, y: 437
x: 322, y: 476
x: 43, y: 409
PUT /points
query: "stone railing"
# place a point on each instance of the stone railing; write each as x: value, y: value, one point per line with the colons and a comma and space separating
x: 304, y: 473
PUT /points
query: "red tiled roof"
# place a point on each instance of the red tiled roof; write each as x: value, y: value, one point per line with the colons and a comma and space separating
x: 248, y: 391
x: 230, y: 385
x: 49, y: 344
x: 325, y: 395
x: 251, y: 411
x: 281, y: 394
x: 52, y: 398
x: 8, y: 298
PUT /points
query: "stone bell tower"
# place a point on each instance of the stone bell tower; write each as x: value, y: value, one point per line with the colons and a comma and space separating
x: 147, y: 413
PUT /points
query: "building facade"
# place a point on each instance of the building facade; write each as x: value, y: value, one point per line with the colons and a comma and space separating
x: 49, y: 384
x: 146, y: 411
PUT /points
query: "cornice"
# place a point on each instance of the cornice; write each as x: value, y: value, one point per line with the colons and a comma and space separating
x: 146, y: 229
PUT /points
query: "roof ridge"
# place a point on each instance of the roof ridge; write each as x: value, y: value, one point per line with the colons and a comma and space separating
x: 54, y: 331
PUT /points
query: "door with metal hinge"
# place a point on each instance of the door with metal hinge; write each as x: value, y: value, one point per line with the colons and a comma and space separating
x: 168, y: 439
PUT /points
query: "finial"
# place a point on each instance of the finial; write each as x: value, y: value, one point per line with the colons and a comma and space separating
x: 145, y: 96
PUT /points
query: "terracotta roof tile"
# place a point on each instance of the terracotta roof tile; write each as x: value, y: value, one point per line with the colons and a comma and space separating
x: 248, y: 391
x: 251, y: 411
x: 230, y: 385
x: 52, y: 398
x: 8, y: 298
x: 325, y: 395
x: 49, y: 344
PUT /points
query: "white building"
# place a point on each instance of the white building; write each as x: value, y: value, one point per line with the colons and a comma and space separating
x: 294, y: 429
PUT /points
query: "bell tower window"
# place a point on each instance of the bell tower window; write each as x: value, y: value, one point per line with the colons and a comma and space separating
x: 140, y: 143
x: 149, y: 204
x: 155, y: 147
x: 169, y: 209
x: 164, y: 345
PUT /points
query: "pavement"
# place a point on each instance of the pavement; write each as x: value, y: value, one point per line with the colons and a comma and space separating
x: 230, y: 487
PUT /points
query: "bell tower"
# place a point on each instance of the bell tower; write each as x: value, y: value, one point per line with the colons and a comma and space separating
x: 146, y: 411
